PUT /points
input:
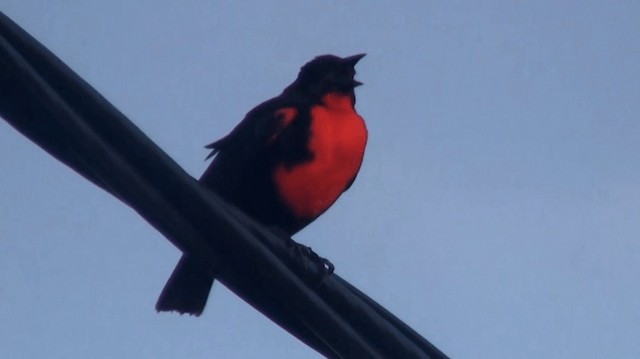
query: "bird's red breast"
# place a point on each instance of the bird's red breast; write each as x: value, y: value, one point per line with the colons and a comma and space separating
x: 337, y: 140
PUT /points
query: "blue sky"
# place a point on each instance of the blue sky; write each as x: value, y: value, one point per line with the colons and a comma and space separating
x: 497, y: 211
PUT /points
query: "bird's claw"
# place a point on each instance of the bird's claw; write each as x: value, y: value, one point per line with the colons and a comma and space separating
x: 305, y: 254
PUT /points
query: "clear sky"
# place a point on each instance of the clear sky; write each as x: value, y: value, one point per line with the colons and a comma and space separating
x: 497, y: 211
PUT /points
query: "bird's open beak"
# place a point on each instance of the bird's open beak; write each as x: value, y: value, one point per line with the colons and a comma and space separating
x: 353, y: 60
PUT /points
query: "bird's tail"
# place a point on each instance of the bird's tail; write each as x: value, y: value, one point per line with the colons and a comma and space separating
x: 187, y: 289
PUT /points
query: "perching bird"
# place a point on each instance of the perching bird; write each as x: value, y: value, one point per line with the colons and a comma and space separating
x: 284, y: 164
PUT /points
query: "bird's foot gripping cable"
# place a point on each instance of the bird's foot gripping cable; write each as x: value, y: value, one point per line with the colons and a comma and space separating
x: 309, y: 262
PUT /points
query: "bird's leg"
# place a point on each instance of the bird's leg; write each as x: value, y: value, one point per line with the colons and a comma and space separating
x: 304, y: 258
x: 303, y: 251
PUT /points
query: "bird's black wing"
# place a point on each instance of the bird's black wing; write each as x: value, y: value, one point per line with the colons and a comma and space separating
x: 255, y: 132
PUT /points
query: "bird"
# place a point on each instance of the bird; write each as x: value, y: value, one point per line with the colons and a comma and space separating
x: 284, y: 164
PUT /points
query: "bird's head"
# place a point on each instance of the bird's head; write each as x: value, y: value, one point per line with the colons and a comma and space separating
x: 328, y: 73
